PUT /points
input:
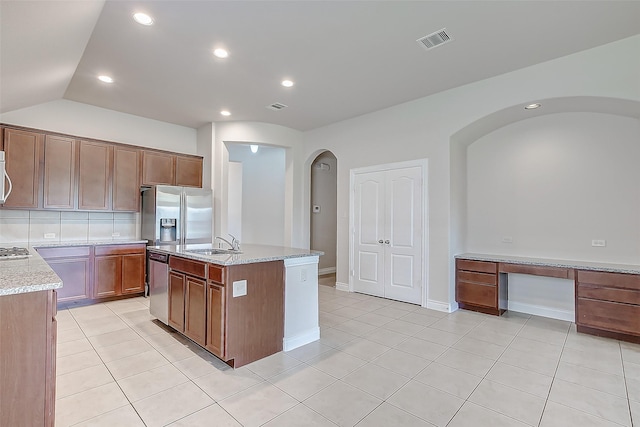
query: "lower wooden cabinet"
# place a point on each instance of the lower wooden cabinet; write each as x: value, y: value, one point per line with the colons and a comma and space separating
x: 215, y: 341
x: 118, y: 270
x: 188, y: 298
x: 73, y: 266
x: 195, y: 310
x: 477, y: 286
x: 28, y: 359
x: 177, y: 287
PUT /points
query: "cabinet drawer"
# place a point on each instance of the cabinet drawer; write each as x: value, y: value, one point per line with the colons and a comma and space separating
x: 188, y: 266
x: 216, y: 274
x: 610, y: 280
x: 609, y: 294
x: 481, y: 278
x: 102, y: 250
x: 477, y: 294
x: 611, y: 316
x: 537, y: 270
x: 482, y: 266
x: 66, y: 252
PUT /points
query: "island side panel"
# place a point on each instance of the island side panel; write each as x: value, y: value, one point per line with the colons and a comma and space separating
x: 301, y: 322
x: 255, y: 321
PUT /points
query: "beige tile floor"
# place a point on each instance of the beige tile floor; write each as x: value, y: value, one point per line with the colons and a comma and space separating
x: 378, y: 363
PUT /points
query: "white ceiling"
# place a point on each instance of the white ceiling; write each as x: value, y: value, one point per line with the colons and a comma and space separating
x: 347, y: 58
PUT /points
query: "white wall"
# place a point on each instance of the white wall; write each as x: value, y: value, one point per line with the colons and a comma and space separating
x: 553, y: 183
x: 324, y: 223
x: 423, y: 129
x: 263, y: 193
x: 87, y: 121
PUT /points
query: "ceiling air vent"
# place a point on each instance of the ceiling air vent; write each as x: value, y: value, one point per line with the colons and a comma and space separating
x: 434, y: 39
x: 276, y: 106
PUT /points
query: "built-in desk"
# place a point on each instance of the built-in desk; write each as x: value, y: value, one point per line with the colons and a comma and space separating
x: 607, y: 296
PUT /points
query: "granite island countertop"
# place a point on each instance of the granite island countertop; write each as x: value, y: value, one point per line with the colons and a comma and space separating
x: 29, y: 274
x: 549, y: 262
x: 249, y: 253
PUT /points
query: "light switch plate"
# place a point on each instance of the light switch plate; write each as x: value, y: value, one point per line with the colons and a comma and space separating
x: 239, y: 288
x: 599, y: 243
x: 116, y: 234
x: 49, y: 235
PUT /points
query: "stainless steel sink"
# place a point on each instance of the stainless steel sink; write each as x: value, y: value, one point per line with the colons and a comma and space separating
x: 213, y: 251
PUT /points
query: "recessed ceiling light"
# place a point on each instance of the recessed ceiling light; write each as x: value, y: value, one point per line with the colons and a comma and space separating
x: 254, y: 148
x: 105, y: 79
x: 287, y: 83
x: 142, y: 18
x: 532, y: 106
x: 225, y: 113
x: 220, y: 53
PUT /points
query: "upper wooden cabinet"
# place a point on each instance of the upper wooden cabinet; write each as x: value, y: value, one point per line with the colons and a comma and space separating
x: 23, y: 154
x: 158, y: 168
x: 126, y: 179
x: 59, y: 173
x: 171, y: 169
x: 189, y: 171
x: 94, y: 175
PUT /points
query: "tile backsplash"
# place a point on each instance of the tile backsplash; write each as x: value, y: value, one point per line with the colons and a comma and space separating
x: 23, y: 226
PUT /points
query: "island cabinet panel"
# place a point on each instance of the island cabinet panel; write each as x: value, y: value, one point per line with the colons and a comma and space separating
x: 158, y: 168
x: 477, y: 286
x: 27, y: 359
x: 60, y: 183
x: 177, y: 287
x: 94, y: 175
x: 189, y: 171
x: 126, y: 179
x: 195, y: 310
x: 73, y: 266
x: 23, y: 154
x: 215, y: 341
x: 608, y: 304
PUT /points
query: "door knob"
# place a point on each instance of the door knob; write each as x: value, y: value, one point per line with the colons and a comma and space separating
x: 380, y: 241
x: 387, y: 242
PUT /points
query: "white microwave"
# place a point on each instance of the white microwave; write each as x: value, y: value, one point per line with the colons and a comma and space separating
x: 4, y: 191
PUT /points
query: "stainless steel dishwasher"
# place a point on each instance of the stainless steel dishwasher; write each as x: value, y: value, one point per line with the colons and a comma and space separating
x: 159, y: 286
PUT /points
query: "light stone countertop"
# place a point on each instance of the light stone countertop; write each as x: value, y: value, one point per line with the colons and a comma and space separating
x: 30, y: 274
x: 548, y: 262
x: 85, y: 243
x: 249, y: 253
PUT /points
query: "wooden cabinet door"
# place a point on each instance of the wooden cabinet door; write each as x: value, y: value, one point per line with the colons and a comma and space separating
x: 215, y: 319
x: 196, y: 310
x: 189, y: 171
x: 158, y: 168
x: 94, y: 175
x: 126, y: 179
x: 176, y: 300
x: 76, y: 278
x: 133, y: 273
x: 59, y: 172
x: 107, y: 276
x: 23, y: 153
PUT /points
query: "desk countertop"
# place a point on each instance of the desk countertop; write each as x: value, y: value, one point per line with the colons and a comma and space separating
x: 548, y: 262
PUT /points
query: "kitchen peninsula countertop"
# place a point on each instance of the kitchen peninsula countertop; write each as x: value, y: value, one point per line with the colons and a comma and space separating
x: 30, y: 274
x: 249, y: 253
x: 548, y: 262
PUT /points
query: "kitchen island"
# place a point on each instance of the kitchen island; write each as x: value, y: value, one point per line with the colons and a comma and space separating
x: 27, y: 341
x: 240, y: 306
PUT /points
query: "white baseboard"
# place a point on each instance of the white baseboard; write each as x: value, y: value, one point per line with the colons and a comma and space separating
x: 342, y: 286
x: 538, y: 310
x: 441, y: 306
x: 299, y: 340
x: 328, y: 270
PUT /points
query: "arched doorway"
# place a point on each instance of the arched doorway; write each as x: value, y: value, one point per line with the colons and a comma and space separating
x: 323, y: 214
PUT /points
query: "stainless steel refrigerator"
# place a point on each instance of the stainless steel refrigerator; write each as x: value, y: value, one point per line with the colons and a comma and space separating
x: 177, y: 215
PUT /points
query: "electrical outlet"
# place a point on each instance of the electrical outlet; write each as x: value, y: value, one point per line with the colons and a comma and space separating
x: 507, y: 239
x: 49, y: 235
x: 239, y: 288
x: 599, y: 243
x: 116, y: 234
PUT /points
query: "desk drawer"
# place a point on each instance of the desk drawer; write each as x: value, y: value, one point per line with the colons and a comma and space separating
x: 477, y: 294
x: 481, y: 266
x: 480, y: 278
x: 610, y: 280
x: 609, y: 294
x: 610, y: 316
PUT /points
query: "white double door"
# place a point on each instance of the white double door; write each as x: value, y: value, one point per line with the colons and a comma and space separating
x: 388, y: 232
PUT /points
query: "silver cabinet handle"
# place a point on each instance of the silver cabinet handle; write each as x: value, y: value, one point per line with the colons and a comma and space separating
x: 387, y: 242
x: 380, y: 241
